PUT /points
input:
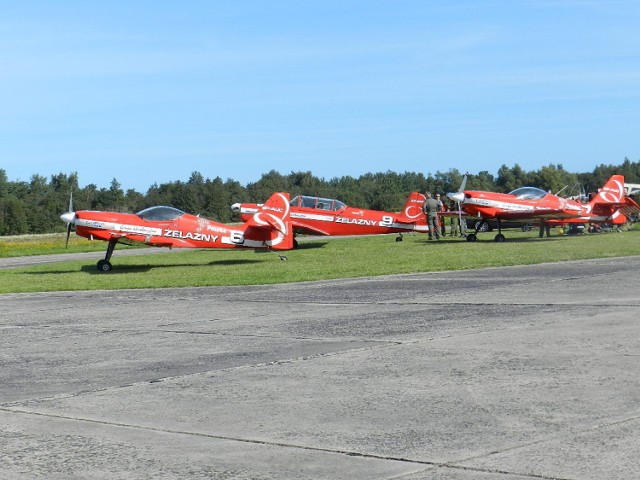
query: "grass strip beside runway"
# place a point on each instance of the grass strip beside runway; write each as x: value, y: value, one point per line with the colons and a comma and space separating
x: 316, y: 260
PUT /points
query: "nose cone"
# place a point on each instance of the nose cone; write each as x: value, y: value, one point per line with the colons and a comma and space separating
x: 68, y: 217
x: 456, y: 196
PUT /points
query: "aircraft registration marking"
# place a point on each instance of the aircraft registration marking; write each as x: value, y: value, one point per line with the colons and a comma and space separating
x: 356, y: 221
x: 119, y: 227
x: 196, y: 236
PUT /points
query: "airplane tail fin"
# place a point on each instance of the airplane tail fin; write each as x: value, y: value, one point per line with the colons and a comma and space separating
x: 611, y: 202
x: 272, y: 223
x: 412, y: 210
x: 610, y: 197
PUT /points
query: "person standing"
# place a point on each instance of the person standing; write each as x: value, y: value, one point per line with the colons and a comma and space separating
x: 454, y: 220
x: 442, y: 207
x: 544, y: 227
x: 431, y: 209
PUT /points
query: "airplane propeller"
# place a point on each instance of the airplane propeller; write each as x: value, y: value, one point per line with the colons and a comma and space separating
x: 69, y: 218
x: 459, y: 195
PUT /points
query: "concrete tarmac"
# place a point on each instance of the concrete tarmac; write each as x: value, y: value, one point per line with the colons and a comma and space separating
x: 514, y: 373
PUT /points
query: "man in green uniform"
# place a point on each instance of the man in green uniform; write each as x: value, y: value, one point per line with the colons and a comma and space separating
x: 431, y: 209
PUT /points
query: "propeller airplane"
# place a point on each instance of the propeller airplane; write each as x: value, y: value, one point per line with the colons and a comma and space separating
x: 609, y: 204
x: 269, y: 228
x: 330, y: 217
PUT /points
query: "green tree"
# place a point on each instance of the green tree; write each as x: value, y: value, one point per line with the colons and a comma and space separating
x: 553, y: 178
x: 116, y: 196
x: 135, y: 200
x: 13, y: 219
x: 269, y: 183
x: 184, y: 198
x: 4, y: 183
x: 511, y: 178
x: 42, y: 204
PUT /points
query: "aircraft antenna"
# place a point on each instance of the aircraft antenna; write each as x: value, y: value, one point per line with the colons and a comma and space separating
x: 560, y: 191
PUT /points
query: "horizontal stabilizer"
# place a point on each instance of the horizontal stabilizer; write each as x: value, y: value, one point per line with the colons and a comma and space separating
x: 272, y: 222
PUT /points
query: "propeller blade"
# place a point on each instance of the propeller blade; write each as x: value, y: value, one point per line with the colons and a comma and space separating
x: 463, y: 184
x: 66, y: 245
x: 69, y: 218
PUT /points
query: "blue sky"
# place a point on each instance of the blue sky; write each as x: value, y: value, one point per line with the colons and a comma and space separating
x: 150, y: 91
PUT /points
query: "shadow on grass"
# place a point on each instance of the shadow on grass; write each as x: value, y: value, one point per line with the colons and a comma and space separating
x: 310, y: 245
x: 93, y: 270
x: 233, y: 262
x: 120, y: 268
x: 489, y: 239
x: 125, y: 268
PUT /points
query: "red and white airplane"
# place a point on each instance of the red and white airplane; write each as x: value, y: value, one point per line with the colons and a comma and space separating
x: 327, y: 216
x: 268, y: 228
x: 610, y: 204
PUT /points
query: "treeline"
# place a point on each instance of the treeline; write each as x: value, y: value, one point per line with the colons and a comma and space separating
x: 35, y: 206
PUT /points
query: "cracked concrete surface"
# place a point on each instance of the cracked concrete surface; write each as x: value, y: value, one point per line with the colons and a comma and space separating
x: 510, y: 373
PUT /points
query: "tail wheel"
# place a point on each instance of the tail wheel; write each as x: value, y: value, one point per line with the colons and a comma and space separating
x: 104, y: 266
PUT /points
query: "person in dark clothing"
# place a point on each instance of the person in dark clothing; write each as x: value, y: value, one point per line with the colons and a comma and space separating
x: 442, y: 219
x: 431, y: 208
x: 544, y: 227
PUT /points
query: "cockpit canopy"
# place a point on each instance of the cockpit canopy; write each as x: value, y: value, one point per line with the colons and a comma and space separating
x: 305, y: 201
x: 160, y: 214
x: 528, y: 193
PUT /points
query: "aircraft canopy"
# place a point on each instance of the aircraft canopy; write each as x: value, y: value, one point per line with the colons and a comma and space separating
x: 317, y: 202
x: 528, y: 193
x: 160, y: 213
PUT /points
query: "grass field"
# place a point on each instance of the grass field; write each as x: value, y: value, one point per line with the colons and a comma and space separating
x: 314, y: 260
x: 51, y: 243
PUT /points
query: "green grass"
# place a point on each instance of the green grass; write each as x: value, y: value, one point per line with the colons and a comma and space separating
x: 50, y: 243
x: 316, y: 260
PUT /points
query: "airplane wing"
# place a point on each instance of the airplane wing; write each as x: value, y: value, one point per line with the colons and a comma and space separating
x: 454, y: 213
x: 136, y: 239
x: 408, y: 221
x: 305, y: 228
x: 525, y: 216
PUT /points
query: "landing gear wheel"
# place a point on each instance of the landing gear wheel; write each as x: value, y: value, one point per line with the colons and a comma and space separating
x: 471, y: 237
x: 499, y: 238
x: 104, y: 266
